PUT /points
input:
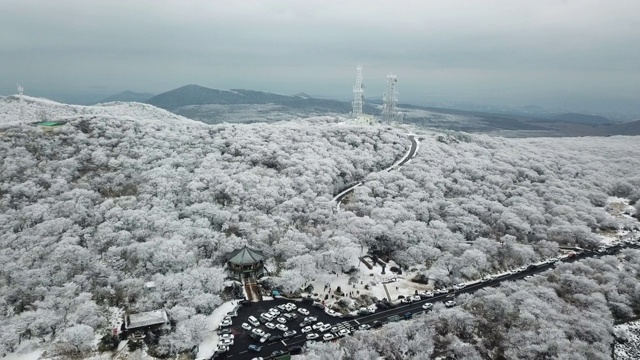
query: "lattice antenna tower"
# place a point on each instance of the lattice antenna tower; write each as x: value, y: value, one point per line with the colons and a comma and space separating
x: 20, y: 91
x: 390, y: 100
x: 358, y: 94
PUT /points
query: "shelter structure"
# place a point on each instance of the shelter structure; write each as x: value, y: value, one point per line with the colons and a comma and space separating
x: 145, y: 320
x: 245, y: 263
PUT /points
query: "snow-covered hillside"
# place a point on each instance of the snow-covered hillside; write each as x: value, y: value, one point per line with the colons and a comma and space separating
x: 123, y: 194
x: 38, y: 109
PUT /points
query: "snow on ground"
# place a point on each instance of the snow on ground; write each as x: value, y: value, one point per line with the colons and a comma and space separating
x: 210, y: 342
x: 630, y: 349
x: 374, y: 278
x: 32, y: 355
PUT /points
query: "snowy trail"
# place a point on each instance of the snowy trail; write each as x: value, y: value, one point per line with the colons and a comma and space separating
x: 411, y: 153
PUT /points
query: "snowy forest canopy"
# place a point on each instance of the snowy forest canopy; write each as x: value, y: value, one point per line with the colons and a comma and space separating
x: 124, y: 194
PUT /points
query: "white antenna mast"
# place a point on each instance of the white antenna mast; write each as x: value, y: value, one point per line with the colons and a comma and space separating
x: 20, y: 91
x: 358, y: 94
x: 390, y: 100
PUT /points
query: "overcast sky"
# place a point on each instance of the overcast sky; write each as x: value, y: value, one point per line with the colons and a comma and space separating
x: 576, y: 53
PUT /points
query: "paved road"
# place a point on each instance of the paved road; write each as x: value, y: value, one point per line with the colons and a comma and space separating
x: 242, y: 340
x: 410, y: 154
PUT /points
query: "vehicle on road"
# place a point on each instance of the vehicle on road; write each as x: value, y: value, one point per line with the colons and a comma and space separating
x: 282, y: 327
x: 407, y: 315
x: 270, y: 325
x: 427, y: 306
x: 450, y: 303
x: 255, y: 348
x: 306, y: 329
x: 376, y: 324
x: 328, y: 336
x: 246, y: 326
x: 303, y: 311
x: 311, y: 336
x: 288, y: 334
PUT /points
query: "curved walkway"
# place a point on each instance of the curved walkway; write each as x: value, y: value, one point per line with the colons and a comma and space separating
x: 408, y: 156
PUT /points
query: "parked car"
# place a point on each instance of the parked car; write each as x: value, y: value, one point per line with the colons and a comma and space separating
x: 311, y: 336
x: 459, y: 286
x: 246, y: 326
x: 291, y: 306
x: 290, y: 316
x: 255, y: 348
x: 226, y: 336
x: 317, y: 325
x: 270, y: 325
x: 303, y: 311
x: 344, y: 332
x: 226, y: 322
x: 427, y: 306
x: 224, y: 331
x: 222, y: 349
x: 265, y: 337
x: 282, y: 327
x: 364, y: 327
x: 257, y: 331
x: 306, y: 329
x: 318, y: 305
x: 227, y: 342
x: 442, y: 291
x: 288, y: 334
x: 306, y: 323
x: 282, y: 307
x: 328, y: 336
x: 408, y: 315
x: 275, y: 338
x: 266, y: 316
x: 376, y: 324
x: 450, y: 303
x: 274, y: 311
x: 324, y: 327
x: 277, y: 353
x: 281, y: 320
x: 428, y: 294
x: 311, y: 318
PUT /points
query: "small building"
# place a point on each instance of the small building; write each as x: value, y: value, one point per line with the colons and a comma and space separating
x: 245, y: 263
x: 145, y: 320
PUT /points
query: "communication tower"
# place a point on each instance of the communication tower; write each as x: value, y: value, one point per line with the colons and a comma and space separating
x: 390, y: 100
x: 20, y: 91
x: 358, y: 94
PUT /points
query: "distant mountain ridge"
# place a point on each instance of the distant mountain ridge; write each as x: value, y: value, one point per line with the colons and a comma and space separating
x: 128, y: 96
x: 583, y: 119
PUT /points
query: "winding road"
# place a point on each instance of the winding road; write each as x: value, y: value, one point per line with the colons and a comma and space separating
x: 411, y: 153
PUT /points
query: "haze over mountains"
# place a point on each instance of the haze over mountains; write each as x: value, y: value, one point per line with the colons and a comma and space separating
x: 215, y: 106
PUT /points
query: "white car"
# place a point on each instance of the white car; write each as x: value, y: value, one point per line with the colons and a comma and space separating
x: 317, y: 326
x: 416, y: 298
x: 227, y: 342
x: 442, y: 291
x: 270, y: 325
x: 226, y: 322
x: 291, y: 306
x: 324, y: 327
x: 222, y: 349
x: 459, y: 286
x: 246, y: 326
x: 303, y: 311
x: 332, y: 313
x: 266, y: 316
x: 428, y: 294
x: 312, y: 336
x: 265, y: 337
x: 450, y: 303
x: 344, y: 332
x: 258, y: 332
x: 364, y: 327
x: 253, y: 321
x: 328, y: 336
x: 281, y: 320
x: 226, y: 336
x: 427, y: 306
x: 311, y: 318
x: 282, y: 327
x: 306, y: 329
x: 274, y: 311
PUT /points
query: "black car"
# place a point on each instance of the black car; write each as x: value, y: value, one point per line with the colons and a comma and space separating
x: 255, y: 337
x: 296, y: 349
x: 376, y: 324
x: 382, y: 305
x: 275, y: 338
x: 278, y: 353
x: 348, y: 316
x: 306, y: 323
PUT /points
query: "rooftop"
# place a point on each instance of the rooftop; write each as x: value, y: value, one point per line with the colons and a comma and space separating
x: 245, y: 256
x: 148, y: 318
